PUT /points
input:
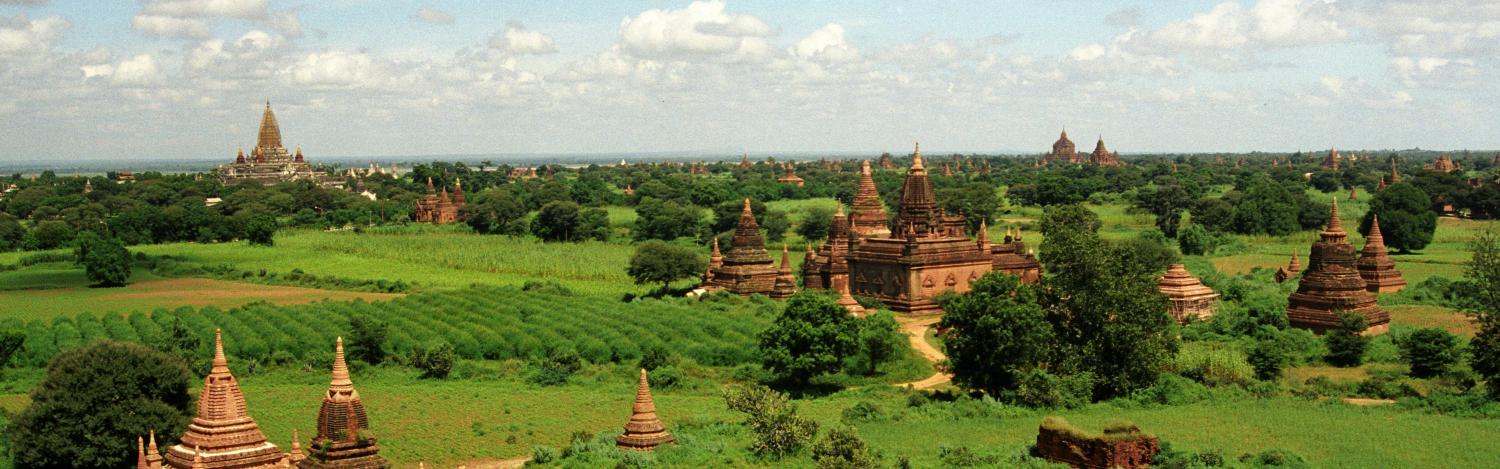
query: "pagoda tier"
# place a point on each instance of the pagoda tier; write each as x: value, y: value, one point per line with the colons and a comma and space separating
x: 1332, y: 283
x: 644, y: 431
x: 791, y: 176
x: 223, y: 435
x: 868, y: 212
x: 747, y: 268
x: 830, y: 265
x: 1375, y: 264
x: 341, y: 419
x: 1186, y: 295
x: 786, y: 283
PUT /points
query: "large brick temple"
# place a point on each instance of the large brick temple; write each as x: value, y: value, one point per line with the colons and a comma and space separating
x: 922, y: 254
x: 269, y: 162
x: 1332, y: 283
x: 747, y: 268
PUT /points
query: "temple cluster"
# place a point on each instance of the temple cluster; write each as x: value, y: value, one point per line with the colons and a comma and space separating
x: 439, y: 208
x: 1064, y: 152
x: 1334, y: 281
x: 270, y: 163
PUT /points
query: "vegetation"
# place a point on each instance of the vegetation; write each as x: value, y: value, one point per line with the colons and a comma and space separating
x: 778, y: 429
x: 107, y: 395
x: 1347, y: 343
x: 1406, y: 222
x: 812, y: 336
x: 105, y: 261
x: 659, y: 262
x: 1429, y: 351
x: 367, y: 339
x: 997, y: 332
x: 1483, y: 305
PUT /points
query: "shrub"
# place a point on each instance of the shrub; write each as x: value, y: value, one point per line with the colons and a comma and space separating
x: 1268, y: 359
x: 105, y: 261
x: 435, y: 361
x: 655, y: 356
x: 1429, y: 351
x: 863, y: 411
x: 773, y: 419
x: 543, y: 454
x: 812, y: 337
x: 1195, y: 240
x: 962, y: 456
x: 666, y: 377
x: 1213, y: 365
x: 879, y: 341
x: 367, y: 339
x: 1171, y: 390
x: 1037, y: 388
x: 557, y: 367
x: 841, y: 448
x: 1346, y: 345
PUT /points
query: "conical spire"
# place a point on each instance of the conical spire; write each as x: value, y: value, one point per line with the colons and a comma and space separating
x: 220, y: 364
x: 984, y: 233
x: 916, y: 157
x: 1375, y: 265
x: 1335, y: 226
x: 223, y: 424
x: 340, y: 381
x: 270, y: 131
x: 644, y: 431
x: 918, y: 199
x: 846, y: 299
x: 867, y: 214
x: 296, y: 454
x: 786, y: 260
x: 140, y: 453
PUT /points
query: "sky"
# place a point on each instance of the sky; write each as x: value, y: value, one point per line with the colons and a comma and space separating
x: 187, y: 79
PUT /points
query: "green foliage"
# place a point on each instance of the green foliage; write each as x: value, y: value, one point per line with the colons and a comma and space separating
x: 1429, y: 351
x: 1213, y: 364
x: 11, y: 341
x: 666, y: 219
x: 1267, y: 207
x: 779, y: 430
x: 812, y: 336
x: 260, y: 229
x: 996, y: 332
x: 879, y: 341
x: 367, y: 338
x: 813, y: 227
x: 565, y: 221
x: 495, y: 211
x: 1195, y: 240
x: 977, y: 201
x: 727, y: 214
x: 1346, y: 343
x: 1268, y: 359
x: 49, y: 234
x: 105, y: 261
x: 1483, y: 305
x: 106, y: 395
x: 660, y: 262
x: 841, y: 448
x: 11, y: 232
x: 434, y: 361
x: 776, y: 223
x: 1038, y: 388
x: 557, y: 367
x: 1167, y: 202
x: 656, y: 356
x: 1406, y: 218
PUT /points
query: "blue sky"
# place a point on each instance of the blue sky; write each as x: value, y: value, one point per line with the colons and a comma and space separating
x: 161, y: 79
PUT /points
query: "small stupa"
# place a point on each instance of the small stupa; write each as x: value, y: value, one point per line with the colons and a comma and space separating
x: 222, y: 435
x: 644, y: 431
x: 747, y: 268
x: 1186, y: 295
x: 786, y: 283
x: 342, y: 423
x: 1292, y: 268
x: 1375, y: 264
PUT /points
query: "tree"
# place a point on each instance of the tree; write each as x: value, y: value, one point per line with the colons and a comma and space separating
x: 1268, y: 359
x: 996, y: 331
x: 565, y: 221
x: 179, y: 341
x: 11, y: 232
x: 95, y: 401
x: 773, y: 419
x: 813, y: 227
x: 1267, y: 207
x: 1166, y: 201
x: 1429, y: 351
x: 1347, y: 343
x: 1406, y: 221
x: 496, y: 211
x: 665, y: 219
x: 811, y: 337
x: 660, y: 262
x: 775, y: 222
x: 260, y: 229
x: 367, y: 339
x: 841, y: 448
x: 1482, y: 303
x: 49, y: 234
x: 977, y: 201
x: 879, y: 341
x: 1195, y: 240
x: 11, y: 341
x: 435, y: 361
x: 105, y: 261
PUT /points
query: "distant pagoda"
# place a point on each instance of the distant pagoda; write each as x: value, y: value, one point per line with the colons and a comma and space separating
x: 269, y: 162
x: 1375, y: 264
x: 1332, y: 283
x: 1102, y: 156
x: 644, y: 431
x: 341, y: 420
x: 829, y: 266
x: 1063, y: 151
x: 1186, y: 295
x: 791, y: 177
x: 1333, y: 159
x: 1443, y: 164
x: 747, y: 268
x: 439, y: 208
x: 1292, y: 268
x: 222, y: 435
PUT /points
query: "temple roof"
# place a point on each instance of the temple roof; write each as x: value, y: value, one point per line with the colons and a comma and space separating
x: 222, y: 435
x: 1099, y: 147
x: 1177, y: 283
x: 918, y: 200
x: 342, y: 415
x: 747, y: 247
x: 270, y: 131
x: 868, y: 212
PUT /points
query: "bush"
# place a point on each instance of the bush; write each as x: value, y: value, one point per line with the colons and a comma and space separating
x: 1171, y: 390
x: 863, y: 411
x: 1268, y: 359
x: 1037, y: 388
x: 1195, y: 240
x: 557, y: 367
x: 543, y: 454
x: 367, y: 339
x: 666, y: 377
x: 880, y: 341
x: 655, y: 356
x: 105, y: 261
x: 1346, y: 344
x: 1429, y: 351
x: 773, y: 419
x: 435, y: 361
x: 841, y: 448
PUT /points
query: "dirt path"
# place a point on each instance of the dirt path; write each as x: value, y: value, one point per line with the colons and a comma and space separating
x: 1363, y: 402
x: 495, y: 463
x: 916, y: 331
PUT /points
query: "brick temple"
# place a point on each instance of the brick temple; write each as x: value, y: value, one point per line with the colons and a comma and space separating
x: 269, y: 162
x: 439, y: 208
x: 1375, y: 264
x: 1332, y: 283
x: 747, y: 268
x: 1065, y: 152
x: 644, y: 431
x: 924, y: 253
x: 1187, y: 297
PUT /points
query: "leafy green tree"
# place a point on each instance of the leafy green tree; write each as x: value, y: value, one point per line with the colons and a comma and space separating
x: 1347, y: 343
x: 812, y: 336
x: 1195, y: 240
x: 1482, y: 303
x: 1267, y: 207
x: 435, y: 361
x: 1406, y: 221
x: 367, y: 338
x: 1429, y: 351
x: 813, y: 227
x: 260, y: 229
x: 179, y: 341
x: 977, y: 201
x: 1268, y: 359
x: 11, y: 341
x: 49, y: 234
x: 95, y: 401
x: 665, y: 219
x: 660, y: 262
x: 566, y: 221
x: 727, y: 214
x: 996, y: 331
x: 557, y: 367
x: 776, y: 223
x: 880, y: 341
x: 1166, y: 201
x: 11, y: 232
x: 105, y: 261
x: 841, y: 448
x: 496, y: 211
x: 779, y: 430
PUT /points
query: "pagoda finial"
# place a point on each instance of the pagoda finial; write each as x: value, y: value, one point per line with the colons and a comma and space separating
x: 341, y: 379
x: 864, y: 167
x: 839, y: 211
x: 1334, y: 225
x: 916, y: 156
x: 716, y: 248
x: 786, y: 259
x: 152, y: 447
x: 746, y: 210
x: 984, y: 232
x: 140, y: 452
x: 221, y: 364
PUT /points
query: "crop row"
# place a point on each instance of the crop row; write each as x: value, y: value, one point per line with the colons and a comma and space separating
x: 479, y: 321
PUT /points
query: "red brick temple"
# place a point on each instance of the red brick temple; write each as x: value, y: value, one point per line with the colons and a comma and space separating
x: 1187, y: 297
x: 747, y: 268
x: 1102, y: 157
x: 439, y: 208
x: 1375, y: 264
x: 1332, y: 283
x: 223, y: 435
x: 1063, y: 151
x: 341, y: 420
x: 791, y: 177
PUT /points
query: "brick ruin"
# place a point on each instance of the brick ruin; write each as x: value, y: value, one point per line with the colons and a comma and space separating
x: 1120, y: 446
x: 747, y: 268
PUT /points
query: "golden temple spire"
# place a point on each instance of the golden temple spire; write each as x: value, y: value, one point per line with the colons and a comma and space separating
x: 270, y: 131
x: 916, y: 156
x: 221, y: 364
x: 341, y: 381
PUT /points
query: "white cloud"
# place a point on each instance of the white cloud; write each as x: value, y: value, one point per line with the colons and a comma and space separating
x: 518, y: 40
x: 701, y: 29
x: 432, y: 16
x: 826, y: 44
x: 171, y: 26
x: 138, y: 70
x: 333, y: 68
x: 252, y: 9
x: 1269, y: 23
x: 21, y: 36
